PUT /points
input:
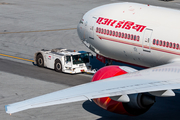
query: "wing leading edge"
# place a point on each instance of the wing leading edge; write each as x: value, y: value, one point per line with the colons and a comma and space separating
x: 165, y: 77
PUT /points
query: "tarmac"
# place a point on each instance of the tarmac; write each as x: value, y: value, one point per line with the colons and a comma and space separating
x: 29, y: 26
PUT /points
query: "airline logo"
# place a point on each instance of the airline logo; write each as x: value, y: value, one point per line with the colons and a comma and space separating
x: 100, y: 58
x: 121, y: 24
x: 49, y: 57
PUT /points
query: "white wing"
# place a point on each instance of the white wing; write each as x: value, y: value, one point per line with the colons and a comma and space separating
x: 165, y: 77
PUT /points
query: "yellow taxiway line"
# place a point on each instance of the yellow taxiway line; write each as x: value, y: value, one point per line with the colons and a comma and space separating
x: 16, y: 57
x: 29, y: 32
x: 37, y: 31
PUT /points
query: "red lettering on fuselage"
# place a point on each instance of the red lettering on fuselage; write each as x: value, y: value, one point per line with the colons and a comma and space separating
x: 113, y: 22
x: 99, y: 20
x: 127, y: 25
x: 139, y: 28
x: 105, y: 21
x: 109, y: 22
x: 100, y: 58
x: 121, y: 24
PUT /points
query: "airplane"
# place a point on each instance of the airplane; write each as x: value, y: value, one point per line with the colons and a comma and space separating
x: 134, y: 33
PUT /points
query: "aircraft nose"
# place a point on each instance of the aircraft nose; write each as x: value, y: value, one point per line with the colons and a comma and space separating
x: 80, y: 29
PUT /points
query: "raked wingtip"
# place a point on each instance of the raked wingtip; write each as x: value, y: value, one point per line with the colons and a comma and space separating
x: 6, y: 109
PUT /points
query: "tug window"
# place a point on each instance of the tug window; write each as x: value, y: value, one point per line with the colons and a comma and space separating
x: 68, y: 58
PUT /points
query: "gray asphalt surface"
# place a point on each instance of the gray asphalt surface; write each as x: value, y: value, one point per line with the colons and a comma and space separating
x: 21, y: 35
x: 43, y: 74
x: 30, y: 81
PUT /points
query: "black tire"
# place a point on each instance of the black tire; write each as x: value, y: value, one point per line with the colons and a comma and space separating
x: 58, y: 66
x: 40, y: 60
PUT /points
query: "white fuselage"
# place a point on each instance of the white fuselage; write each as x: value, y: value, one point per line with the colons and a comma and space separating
x: 134, y: 33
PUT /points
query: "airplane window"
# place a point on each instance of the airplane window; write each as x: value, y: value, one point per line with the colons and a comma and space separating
x: 113, y: 33
x: 107, y: 32
x: 164, y: 43
x: 154, y: 41
x: 134, y: 37
x: 97, y: 29
x: 167, y: 44
x: 174, y: 45
x: 177, y: 46
x: 125, y: 35
x: 122, y: 35
x: 138, y: 38
x: 116, y: 34
x: 131, y: 37
x: 170, y: 45
x: 110, y: 32
x: 128, y: 36
x: 157, y: 42
x: 119, y: 34
x: 104, y: 31
x: 160, y: 42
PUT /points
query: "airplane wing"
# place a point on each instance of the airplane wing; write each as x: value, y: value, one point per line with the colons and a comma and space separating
x: 165, y: 77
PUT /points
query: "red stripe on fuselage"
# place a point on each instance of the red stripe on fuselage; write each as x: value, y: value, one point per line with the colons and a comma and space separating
x: 128, y: 42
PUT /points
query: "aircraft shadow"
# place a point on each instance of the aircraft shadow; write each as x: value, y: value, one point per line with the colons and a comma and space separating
x: 164, y: 108
x: 96, y: 64
x: 166, y: 0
